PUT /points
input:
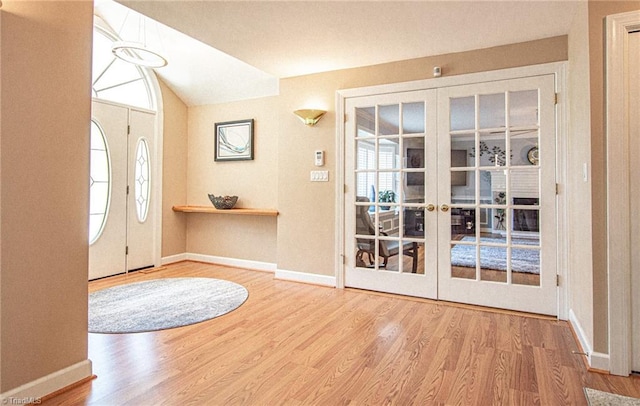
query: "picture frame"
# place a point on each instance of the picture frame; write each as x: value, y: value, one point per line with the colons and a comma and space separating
x: 415, y: 159
x: 234, y: 140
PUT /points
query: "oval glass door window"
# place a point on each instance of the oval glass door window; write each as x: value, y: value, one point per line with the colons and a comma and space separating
x: 99, y: 183
x: 142, y: 181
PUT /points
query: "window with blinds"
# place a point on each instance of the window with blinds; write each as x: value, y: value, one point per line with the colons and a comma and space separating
x: 387, y: 157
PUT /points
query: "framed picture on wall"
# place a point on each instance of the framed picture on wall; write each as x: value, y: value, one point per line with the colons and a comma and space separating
x: 234, y: 140
x: 415, y: 160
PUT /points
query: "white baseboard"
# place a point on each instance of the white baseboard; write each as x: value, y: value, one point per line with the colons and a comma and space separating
x: 598, y: 360
x: 580, y: 334
x: 238, y: 263
x: 33, y: 392
x: 314, y: 279
x: 294, y: 276
x: 173, y: 259
x: 595, y: 360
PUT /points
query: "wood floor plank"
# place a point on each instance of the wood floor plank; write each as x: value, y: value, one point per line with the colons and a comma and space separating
x: 299, y: 344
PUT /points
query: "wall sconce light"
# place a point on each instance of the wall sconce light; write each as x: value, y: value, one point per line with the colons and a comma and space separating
x: 309, y: 117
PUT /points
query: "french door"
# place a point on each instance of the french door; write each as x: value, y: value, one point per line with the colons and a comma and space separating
x: 392, y: 145
x: 121, y: 224
x: 451, y: 194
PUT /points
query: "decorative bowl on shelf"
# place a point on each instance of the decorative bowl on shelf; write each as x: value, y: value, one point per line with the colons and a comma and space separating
x: 223, y: 202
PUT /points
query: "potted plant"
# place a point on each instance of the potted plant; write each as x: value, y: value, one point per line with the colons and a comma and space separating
x: 386, y: 196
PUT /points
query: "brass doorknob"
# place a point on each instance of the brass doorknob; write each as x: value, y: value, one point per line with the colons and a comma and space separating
x: 431, y: 207
x: 444, y: 208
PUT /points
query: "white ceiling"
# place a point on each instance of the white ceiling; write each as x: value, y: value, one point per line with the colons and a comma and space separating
x: 239, y: 49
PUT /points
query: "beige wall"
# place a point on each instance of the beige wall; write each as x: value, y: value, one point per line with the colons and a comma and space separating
x: 255, y: 182
x: 174, y: 167
x: 304, y: 233
x: 44, y: 144
x: 598, y: 10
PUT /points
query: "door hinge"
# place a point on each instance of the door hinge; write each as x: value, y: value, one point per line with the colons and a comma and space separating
x: 126, y: 250
x: 127, y: 190
x: 128, y: 129
x: 555, y: 100
x: 557, y: 188
x: 557, y: 280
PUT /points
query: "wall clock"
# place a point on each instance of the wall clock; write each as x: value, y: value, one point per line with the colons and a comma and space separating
x: 532, y: 156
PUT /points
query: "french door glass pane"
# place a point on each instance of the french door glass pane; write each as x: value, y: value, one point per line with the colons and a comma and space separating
x: 413, y: 118
x: 463, y: 260
x: 492, y: 110
x: 523, y: 108
x: 493, y: 149
x: 525, y: 198
x: 462, y: 186
x: 389, y: 119
x: 463, y: 224
x: 413, y: 222
x: 462, y: 112
x: 493, y: 262
x: 525, y: 265
x: 365, y: 121
x: 366, y: 155
x: 526, y: 142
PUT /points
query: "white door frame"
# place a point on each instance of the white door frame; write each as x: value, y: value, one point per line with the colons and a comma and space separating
x: 157, y: 168
x: 556, y: 68
x: 618, y: 27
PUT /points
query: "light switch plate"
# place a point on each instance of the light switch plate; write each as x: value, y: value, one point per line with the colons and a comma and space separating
x: 319, y: 176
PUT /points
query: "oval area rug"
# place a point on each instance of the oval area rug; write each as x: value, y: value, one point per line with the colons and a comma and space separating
x: 161, y: 304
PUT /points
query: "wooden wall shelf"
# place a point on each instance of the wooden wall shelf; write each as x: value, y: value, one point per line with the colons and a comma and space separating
x: 213, y: 210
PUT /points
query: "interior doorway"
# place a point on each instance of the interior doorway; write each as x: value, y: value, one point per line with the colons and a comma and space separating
x: 450, y: 193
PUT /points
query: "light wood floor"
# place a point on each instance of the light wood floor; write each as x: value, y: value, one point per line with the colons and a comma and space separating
x: 298, y: 344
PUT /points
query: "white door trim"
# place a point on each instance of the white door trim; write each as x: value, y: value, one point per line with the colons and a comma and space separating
x: 618, y: 27
x: 156, y: 191
x: 556, y: 68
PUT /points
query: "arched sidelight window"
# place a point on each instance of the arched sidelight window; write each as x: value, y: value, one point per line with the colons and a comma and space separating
x: 99, y: 182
